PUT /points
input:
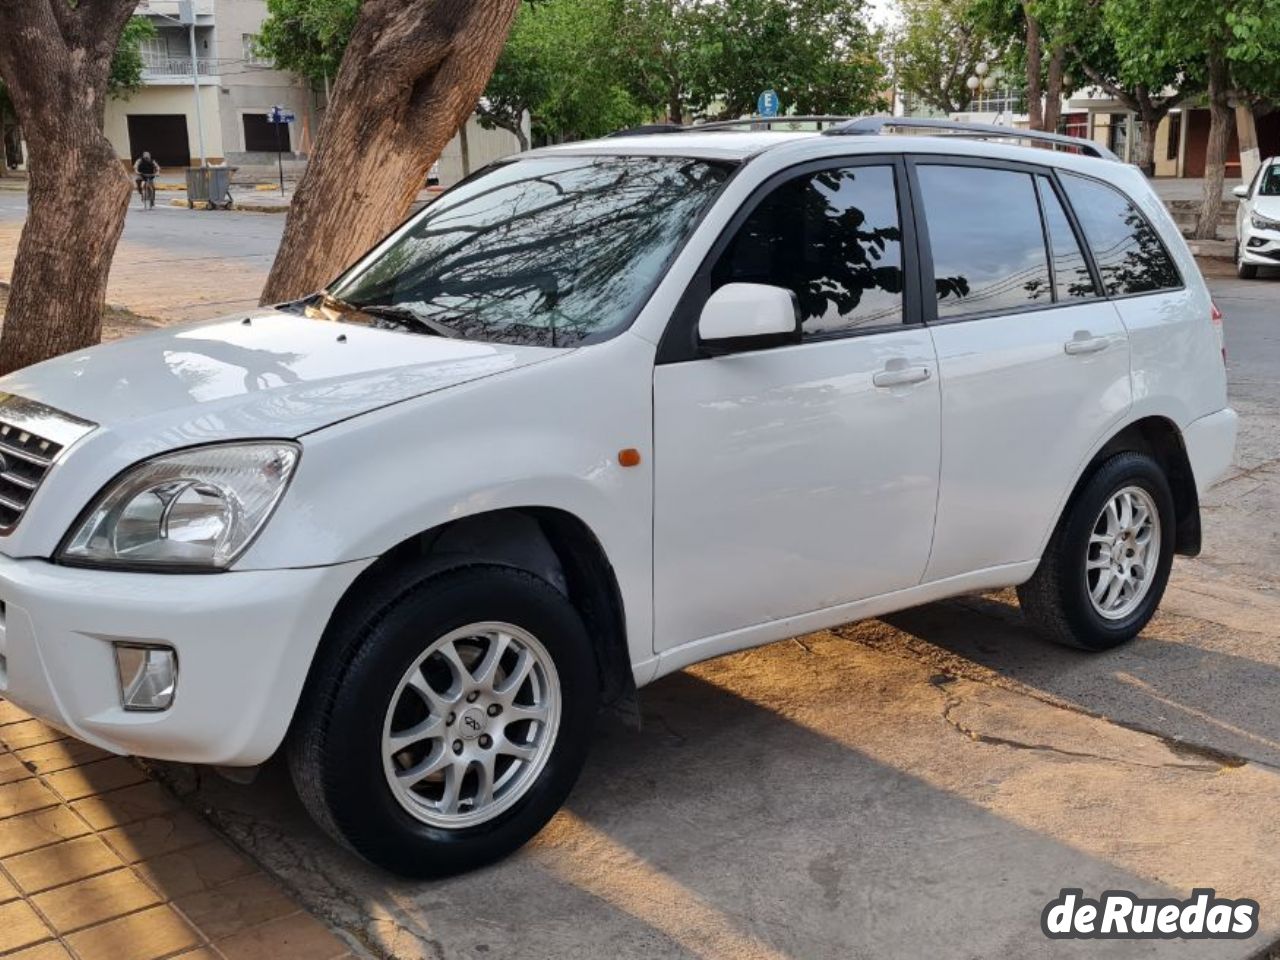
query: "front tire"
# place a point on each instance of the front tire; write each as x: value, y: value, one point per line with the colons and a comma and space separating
x: 1245, y: 271
x: 449, y: 721
x: 1106, y: 567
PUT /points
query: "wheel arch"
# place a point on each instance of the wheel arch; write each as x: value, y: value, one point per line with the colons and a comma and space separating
x: 1159, y: 438
x: 548, y: 542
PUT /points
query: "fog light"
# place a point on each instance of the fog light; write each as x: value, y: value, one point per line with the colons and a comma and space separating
x: 148, y: 676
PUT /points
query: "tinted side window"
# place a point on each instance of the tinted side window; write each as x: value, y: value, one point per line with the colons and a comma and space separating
x: 834, y: 238
x: 1127, y: 249
x: 1071, y: 278
x: 986, y: 238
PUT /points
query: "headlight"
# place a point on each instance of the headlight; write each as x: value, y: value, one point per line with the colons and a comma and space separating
x: 196, y: 508
x: 1265, y: 223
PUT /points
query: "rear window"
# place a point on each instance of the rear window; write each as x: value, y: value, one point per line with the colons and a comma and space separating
x: 1130, y: 257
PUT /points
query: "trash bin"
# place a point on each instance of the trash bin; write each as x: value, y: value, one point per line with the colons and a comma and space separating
x: 210, y: 184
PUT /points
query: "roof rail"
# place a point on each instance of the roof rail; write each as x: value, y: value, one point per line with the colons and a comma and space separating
x: 871, y: 126
x: 647, y: 129
x: 766, y: 123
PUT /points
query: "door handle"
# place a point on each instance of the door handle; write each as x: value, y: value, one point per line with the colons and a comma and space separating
x: 1085, y: 342
x: 900, y: 376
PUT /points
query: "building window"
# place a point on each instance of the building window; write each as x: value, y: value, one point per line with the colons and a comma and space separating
x: 1175, y: 136
x: 260, y: 134
x: 249, y: 46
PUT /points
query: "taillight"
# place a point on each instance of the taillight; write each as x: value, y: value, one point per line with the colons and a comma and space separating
x: 1215, y: 318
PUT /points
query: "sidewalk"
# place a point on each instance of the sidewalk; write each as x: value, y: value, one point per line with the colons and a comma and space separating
x: 98, y: 862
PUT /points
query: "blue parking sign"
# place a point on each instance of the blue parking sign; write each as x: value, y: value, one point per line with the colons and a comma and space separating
x: 767, y: 104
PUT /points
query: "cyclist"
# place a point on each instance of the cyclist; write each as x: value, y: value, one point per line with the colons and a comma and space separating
x: 146, y: 170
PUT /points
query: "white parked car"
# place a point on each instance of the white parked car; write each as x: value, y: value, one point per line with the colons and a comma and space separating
x: 1258, y: 221
x: 599, y: 413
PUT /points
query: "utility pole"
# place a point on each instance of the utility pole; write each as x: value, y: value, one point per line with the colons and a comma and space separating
x: 187, y: 16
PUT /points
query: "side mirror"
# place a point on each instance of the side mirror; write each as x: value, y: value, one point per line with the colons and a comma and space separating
x: 1240, y: 191
x: 749, y: 316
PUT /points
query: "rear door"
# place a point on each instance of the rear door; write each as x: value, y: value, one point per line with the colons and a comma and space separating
x: 1034, y: 361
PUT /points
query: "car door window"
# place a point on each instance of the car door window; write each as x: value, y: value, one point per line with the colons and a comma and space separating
x: 1071, y: 277
x: 1130, y: 257
x: 986, y: 239
x: 834, y: 239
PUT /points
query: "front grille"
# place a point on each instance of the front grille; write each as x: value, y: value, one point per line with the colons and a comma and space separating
x: 32, y: 437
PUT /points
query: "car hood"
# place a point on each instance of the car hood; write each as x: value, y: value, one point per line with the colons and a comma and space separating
x: 272, y: 374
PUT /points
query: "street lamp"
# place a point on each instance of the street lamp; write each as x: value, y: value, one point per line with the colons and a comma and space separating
x: 981, y: 80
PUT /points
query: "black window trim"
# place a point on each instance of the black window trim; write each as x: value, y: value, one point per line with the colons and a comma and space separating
x: 679, y: 343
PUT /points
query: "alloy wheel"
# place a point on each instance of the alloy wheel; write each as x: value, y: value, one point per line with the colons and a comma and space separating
x: 1123, y: 553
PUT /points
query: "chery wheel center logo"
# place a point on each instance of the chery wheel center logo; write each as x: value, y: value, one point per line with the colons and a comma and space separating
x: 1121, y: 915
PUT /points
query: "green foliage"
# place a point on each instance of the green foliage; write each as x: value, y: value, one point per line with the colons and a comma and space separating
x: 557, y: 66
x: 307, y: 37
x: 936, y: 49
x: 126, y: 66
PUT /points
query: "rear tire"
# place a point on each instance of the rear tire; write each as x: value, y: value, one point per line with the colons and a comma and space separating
x: 402, y: 690
x: 1105, y: 569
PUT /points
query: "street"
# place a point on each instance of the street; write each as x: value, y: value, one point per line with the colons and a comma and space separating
x: 890, y: 789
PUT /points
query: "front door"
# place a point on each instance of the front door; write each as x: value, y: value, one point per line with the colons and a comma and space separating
x: 797, y: 478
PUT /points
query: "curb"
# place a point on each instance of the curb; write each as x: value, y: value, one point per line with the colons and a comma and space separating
x: 236, y: 205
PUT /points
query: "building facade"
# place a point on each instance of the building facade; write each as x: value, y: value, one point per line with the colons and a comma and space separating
x: 236, y: 91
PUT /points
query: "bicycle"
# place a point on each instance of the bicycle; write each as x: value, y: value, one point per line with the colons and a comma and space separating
x: 147, y: 190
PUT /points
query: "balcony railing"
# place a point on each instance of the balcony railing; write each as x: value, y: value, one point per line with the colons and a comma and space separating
x: 998, y: 103
x: 154, y: 67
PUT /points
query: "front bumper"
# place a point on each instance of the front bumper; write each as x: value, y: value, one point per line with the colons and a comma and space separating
x: 244, y: 642
x: 1260, y: 247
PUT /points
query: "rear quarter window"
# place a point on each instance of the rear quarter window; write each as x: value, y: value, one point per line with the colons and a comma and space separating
x: 1130, y: 256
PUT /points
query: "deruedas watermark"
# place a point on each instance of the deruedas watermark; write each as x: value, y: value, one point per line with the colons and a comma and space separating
x: 1121, y: 915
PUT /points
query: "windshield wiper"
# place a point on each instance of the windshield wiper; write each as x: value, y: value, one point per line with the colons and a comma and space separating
x: 395, y: 311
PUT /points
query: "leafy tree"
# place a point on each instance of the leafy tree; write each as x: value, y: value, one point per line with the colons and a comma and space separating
x: 936, y: 50
x: 56, y: 62
x: 1018, y: 28
x: 558, y: 67
x: 308, y: 37
x: 1147, y: 81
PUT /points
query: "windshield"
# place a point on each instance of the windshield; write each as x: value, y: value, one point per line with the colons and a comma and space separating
x: 549, y: 251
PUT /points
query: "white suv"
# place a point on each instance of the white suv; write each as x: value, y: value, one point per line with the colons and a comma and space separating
x: 1258, y: 221
x: 595, y: 414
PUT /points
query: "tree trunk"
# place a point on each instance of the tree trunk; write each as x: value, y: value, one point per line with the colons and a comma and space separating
x: 1247, y: 133
x: 675, y: 107
x: 1053, y: 92
x: 1035, y: 90
x: 55, y: 59
x: 1150, y: 114
x: 432, y: 59
x: 464, y: 147
x: 1215, y: 161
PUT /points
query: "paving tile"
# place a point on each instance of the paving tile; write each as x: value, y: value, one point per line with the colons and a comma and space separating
x: 39, y: 829
x: 203, y: 953
x: 61, y: 754
x: 28, y: 733
x: 49, y: 950
x: 7, y: 890
x: 12, y: 768
x: 94, y: 900
x: 156, y: 836
x: 11, y: 713
x: 94, y: 778
x: 119, y: 807
x: 61, y: 863
x: 20, y: 926
x: 148, y: 935
x: 296, y: 937
x: 236, y: 906
x: 194, y: 870
x: 23, y: 796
